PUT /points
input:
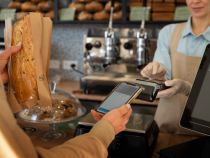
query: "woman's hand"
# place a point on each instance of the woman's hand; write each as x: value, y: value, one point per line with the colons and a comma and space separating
x: 118, y: 117
x: 4, y: 57
x: 154, y: 70
x: 176, y: 86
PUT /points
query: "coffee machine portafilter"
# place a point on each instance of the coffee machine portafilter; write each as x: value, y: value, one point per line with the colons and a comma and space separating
x: 111, y: 41
x: 142, y: 43
x: 111, y: 47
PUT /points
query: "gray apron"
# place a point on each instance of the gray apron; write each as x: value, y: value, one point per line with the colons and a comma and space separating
x: 184, y: 67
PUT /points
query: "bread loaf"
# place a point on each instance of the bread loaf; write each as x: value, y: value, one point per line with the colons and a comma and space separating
x: 50, y: 14
x: 117, y: 15
x: 15, y: 5
x: 77, y: 6
x: 28, y: 7
x: 45, y: 6
x: 94, y: 6
x: 23, y: 69
x: 84, y: 16
x: 117, y: 6
x: 102, y: 15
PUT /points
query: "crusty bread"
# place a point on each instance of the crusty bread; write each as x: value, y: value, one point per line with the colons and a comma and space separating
x: 94, y: 6
x: 117, y: 15
x: 15, y: 5
x: 45, y: 6
x: 23, y: 69
x: 102, y: 15
x: 117, y: 6
x: 77, y: 6
x: 28, y: 7
x: 84, y: 16
x: 50, y: 14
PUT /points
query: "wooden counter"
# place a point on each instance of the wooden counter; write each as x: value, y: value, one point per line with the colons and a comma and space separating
x: 74, y: 87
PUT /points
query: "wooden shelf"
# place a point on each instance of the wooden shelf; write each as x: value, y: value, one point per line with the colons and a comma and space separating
x: 117, y: 23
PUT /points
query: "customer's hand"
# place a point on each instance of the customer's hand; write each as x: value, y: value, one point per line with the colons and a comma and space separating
x: 118, y: 118
x: 154, y: 70
x: 4, y: 56
x: 176, y: 86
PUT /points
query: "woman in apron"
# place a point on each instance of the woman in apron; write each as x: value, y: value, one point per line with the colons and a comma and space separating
x: 180, y: 48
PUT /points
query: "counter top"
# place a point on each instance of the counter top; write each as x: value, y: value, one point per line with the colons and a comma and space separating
x: 74, y: 87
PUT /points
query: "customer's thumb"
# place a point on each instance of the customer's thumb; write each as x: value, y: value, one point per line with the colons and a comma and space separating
x: 124, y: 109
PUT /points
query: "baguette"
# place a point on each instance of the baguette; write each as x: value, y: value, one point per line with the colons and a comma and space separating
x: 23, y: 69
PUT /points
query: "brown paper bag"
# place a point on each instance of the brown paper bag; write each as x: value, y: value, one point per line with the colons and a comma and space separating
x: 46, y: 43
x: 40, y: 30
x: 37, y: 21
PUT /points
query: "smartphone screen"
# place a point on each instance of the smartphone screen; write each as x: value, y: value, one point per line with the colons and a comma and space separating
x: 122, y: 94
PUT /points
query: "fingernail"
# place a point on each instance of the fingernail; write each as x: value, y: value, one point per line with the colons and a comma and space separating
x: 128, y: 105
x: 166, y: 83
x: 19, y: 44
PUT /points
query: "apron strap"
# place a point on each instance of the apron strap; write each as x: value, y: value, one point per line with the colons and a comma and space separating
x: 176, y: 35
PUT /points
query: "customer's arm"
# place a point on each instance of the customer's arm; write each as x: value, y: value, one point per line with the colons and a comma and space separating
x: 91, y: 145
x: 95, y: 143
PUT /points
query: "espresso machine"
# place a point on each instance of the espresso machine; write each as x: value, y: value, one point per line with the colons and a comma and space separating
x: 113, y: 55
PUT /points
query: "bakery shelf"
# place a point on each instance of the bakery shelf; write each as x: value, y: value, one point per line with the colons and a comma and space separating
x: 123, y: 21
x: 56, y: 11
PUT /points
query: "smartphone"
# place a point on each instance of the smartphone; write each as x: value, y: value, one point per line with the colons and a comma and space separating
x: 151, y: 88
x: 123, y: 93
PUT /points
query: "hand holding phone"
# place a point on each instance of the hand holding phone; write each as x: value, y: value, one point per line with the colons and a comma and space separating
x: 122, y: 94
x: 118, y: 117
